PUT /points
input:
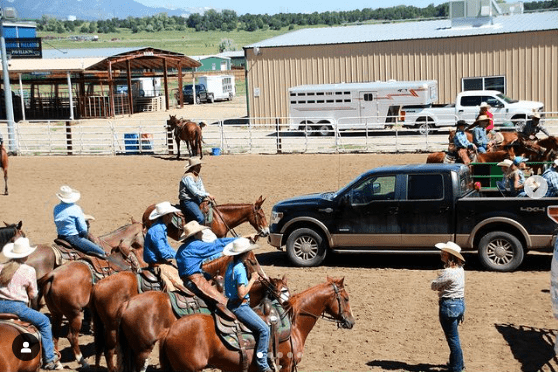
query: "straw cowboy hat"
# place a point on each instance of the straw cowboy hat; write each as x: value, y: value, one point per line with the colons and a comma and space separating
x: 68, y: 195
x: 484, y: 104
x: 191, y: 228
x: 88, y: 217
x: 505, y: 163
x: 161, y: 209
x: 18, y: 249
x: 536, y: 115
x: 451, y: 248
x: 239, y: 246
x: 191, y: 162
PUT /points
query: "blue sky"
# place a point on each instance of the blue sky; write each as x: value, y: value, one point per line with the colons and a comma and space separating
x: 290, y: 6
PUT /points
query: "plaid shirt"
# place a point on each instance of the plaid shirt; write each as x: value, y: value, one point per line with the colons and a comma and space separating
x: 450, y: 283
x: 551, y: 177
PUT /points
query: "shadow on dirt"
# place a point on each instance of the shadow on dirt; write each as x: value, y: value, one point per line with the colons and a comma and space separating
x: 392, y: 365
x: 532, y: 347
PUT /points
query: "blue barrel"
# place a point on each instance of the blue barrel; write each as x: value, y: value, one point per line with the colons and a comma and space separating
x: 216, y: 151
x: 131, y: 143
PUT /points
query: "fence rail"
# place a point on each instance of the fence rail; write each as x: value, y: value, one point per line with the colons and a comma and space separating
x: 231, y: 136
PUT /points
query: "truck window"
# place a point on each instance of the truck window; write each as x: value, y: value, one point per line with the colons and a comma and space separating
x: 470, y: 101
x: 375, y: 188
x: 425, y: 186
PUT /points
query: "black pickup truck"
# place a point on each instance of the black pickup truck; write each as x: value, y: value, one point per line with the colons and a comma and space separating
x: 409, y: 208
x: 202, y: 95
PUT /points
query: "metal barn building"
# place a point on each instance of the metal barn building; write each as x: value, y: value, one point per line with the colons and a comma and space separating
x: 517, y: 54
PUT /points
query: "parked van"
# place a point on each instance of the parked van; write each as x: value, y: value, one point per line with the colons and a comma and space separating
x: 325, y: 108
x: 222, y: 87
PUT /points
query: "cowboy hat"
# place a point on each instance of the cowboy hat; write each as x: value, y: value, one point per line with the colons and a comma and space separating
x: 536, y: 115
x: 451, y: 248
x: 88, y: 217
x: 239, y: 246
x: 18, y: 249
x: 505, y: 163
x: 556, y: 162
x: 191, y: 162
x: 191, y: 228
x: 482, y: 118
x: 484, y: 104
x: 161, y: 209
x: 460, y: 123
x: 68, y: 195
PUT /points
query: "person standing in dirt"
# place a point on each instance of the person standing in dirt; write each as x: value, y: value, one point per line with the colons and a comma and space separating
x: 450, y: 285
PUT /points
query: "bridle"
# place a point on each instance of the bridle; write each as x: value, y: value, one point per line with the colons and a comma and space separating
x: 257, y: 220
x: 328, y: 317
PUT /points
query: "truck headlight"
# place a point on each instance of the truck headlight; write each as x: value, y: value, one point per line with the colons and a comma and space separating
x: 276, y: 217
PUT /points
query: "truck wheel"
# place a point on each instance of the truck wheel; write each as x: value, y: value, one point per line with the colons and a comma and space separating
x: 198, y: 100
x: 306, y: 247
x: 210, y: 99
x: 500, y: 251
x: 424, y: 128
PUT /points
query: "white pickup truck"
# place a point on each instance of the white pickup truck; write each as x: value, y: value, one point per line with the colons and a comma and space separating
x: 466, y: 107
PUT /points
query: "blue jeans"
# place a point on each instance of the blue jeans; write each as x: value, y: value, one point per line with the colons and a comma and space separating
x: 85, y: 245
x: 451, y: 314
x: 481, y: 149
x: 261, y: 332
x: 36, y: 318
x: 192, y: 211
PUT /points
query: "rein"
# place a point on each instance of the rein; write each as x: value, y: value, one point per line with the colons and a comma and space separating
x: 216, y: 210
x: 328, y: 317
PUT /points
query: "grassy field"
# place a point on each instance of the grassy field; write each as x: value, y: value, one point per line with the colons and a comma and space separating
x: 187, y: 42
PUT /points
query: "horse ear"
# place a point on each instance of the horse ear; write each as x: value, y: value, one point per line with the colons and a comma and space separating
x: 284, y: 279
x: 19, y: 225
x: 133, y: 219
x: 5, y: 224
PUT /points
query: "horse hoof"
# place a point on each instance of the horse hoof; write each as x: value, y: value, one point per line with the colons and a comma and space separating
x: 83, y: 363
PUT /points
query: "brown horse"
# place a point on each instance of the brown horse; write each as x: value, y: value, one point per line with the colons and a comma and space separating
x: 178, y: 353
x: 10, y: 233
x: 189, y: 132
x: 489, y: 157
x: 127, y: 236
x: 225, y: 218
x: 9, y: 362
x: 67, y: 291
x: 147, y: 317
x: 4, y: 166
x: 506, y: 138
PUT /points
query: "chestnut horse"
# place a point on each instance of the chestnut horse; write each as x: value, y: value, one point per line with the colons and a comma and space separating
x: 67, y: 291
x: 177, y: 352
x: 489, y: 157
x: 127, y: 236
x: 10, y: 233
x: 225, y: 218
x: 147, y: 317
x: 8, y: 361
x: 189, y: 132
x: 4, y: 166
x: 507, y: 138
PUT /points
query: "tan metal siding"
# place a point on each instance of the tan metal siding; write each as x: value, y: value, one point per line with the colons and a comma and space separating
x: 528, y: 61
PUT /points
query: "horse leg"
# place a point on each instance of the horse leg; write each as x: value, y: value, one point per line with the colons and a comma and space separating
x: 177, y: 139
x: 56, y: 322
x: 74, y: 323
x: 5, y: 182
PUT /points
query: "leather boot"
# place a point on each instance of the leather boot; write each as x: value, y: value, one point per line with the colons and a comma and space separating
x: 211, y: 293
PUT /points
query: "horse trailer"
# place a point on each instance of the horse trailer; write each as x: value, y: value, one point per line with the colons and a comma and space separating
x: 325, y: 108
x: 221, y: 86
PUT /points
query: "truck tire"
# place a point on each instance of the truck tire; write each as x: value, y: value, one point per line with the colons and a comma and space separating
x: 500, y: 251
x: 210, y: 98
x: 306, y: 247
x: 198, y: 100
x: 425, y: 126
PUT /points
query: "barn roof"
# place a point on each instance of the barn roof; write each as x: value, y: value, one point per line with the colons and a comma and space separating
x: 412, y: 30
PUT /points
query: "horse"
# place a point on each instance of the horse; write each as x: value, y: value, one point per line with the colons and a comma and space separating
x: 177, y: 352
x: 67, y: 291
x: 10, y: 232
x: 147, y: 316
x: 127, y: 237
x: 4, y: 166
x: 189, y: 132
x: 505, y: 139
x: 225, y: 218
x: 8, y: 361
x: 488, y: 157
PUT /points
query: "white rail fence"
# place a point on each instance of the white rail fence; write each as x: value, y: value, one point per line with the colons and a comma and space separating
x: 232, y: 136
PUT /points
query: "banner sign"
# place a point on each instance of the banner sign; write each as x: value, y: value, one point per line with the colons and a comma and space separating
x: 24, y: 47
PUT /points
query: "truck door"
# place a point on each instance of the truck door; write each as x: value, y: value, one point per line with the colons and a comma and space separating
x: 369, y: 214
x: 426, y: 213
x: 468, y: 108
x: 368, y: 110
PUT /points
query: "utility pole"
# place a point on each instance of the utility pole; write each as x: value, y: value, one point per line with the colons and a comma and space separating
x: 8, y: 13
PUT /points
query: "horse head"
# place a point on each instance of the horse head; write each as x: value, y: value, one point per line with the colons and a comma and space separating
x: 278, y: 288
x: 172, y: 122
x: 258, y: 220
x: 337, y: 305
x: 11, y: 232
x: 550, y: 142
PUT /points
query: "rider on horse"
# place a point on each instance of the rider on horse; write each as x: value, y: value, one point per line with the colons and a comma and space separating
x: 191, y: 191
x: 18, y: 288
x: 461, y: 142
x: 157, y: 252
x: 480, y: 137
x: 532, y: 127
x: 71, y: 224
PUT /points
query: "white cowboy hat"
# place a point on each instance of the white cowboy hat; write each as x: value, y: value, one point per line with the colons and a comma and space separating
x: 191, y: 228
x: 505, y: 163
x: 484, y: 104
x: 536, y: 115
x: 18, y: 249
x: 556, y: 162
x: 238, y: 246
x: 68, y: 195
x: 161, y: 209
x: 191, y: 162
x: 88, y: 217
x: 451, y: 248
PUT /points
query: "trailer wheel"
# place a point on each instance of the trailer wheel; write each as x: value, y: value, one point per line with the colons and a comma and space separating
x: 210, y: 98
x: 323, y: 130
x: 500, y: 251
x: 198, y: 100
x: 306, y: 247
x: 230, y: 96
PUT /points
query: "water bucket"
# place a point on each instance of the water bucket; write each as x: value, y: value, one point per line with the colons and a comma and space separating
x: 216, y: 151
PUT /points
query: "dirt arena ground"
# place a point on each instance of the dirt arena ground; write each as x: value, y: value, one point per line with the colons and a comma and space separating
x: 508, y: 324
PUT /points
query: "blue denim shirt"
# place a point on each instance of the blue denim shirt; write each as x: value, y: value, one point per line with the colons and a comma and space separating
x: 235, y: 277
x: 460, y: 140
x: 193, y: 253
x: 156, y: 247
x: 479, y: 137
x: 69, y: 219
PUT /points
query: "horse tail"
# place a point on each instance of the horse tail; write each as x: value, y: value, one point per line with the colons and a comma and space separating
x: 98, y: 330
x: 163, y: 359
x: 125, y: 354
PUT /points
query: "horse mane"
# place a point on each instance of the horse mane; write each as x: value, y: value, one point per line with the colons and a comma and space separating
x: 120, y: 229
x: 296, y: 300
x: 7, y: 232
x: 232, y: 205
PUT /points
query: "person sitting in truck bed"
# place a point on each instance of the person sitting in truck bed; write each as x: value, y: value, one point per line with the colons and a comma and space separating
x: 461, y: 142
x: 532, y: 127
x: 480, y: 138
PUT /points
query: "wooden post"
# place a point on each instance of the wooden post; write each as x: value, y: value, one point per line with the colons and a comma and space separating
x: 180, y: 95
x: 129, y: 80
x: 69, y: 146
x: 166, y: 79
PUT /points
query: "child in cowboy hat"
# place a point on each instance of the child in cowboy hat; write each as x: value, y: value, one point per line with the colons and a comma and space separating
x: 18, y: 289
x: 450, y: 285
x: 191, y: 191
x: 70, y: 222
x: 237, y: 286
